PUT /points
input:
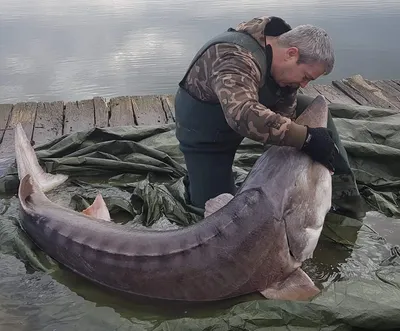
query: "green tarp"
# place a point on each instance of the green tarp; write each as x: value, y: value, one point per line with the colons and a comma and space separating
x: 140, y: 171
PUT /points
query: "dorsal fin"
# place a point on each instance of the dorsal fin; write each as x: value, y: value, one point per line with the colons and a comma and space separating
x: 98, y: 209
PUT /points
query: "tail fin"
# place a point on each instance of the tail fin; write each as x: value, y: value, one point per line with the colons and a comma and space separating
x: 25, y: 188
x: 28, y: 164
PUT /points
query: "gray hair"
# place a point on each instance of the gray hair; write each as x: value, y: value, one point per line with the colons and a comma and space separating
x: 313, y: 43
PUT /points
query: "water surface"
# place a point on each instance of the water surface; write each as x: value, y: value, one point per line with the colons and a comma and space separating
x: 59, y: 50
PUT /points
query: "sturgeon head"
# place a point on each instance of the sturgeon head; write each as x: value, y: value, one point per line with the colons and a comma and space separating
x: 309, y: 197
x: 298, y: 191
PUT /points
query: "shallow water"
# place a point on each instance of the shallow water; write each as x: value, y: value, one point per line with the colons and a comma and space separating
x: 55, y: 50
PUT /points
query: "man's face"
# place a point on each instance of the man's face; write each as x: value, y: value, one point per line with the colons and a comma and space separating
x: 290, y: 73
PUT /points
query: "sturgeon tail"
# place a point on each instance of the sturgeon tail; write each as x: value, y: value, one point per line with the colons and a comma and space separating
x: 27, y: 164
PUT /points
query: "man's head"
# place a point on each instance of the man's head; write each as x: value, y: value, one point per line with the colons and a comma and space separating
x: 301, y: 55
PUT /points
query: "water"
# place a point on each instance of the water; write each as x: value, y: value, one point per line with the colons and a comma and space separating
x: 56, y: 50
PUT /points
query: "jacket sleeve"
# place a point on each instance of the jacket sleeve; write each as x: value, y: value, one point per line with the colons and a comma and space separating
x: 235, y: 79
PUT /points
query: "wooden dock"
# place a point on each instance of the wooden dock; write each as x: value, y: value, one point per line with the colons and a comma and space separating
x: 44, y: 121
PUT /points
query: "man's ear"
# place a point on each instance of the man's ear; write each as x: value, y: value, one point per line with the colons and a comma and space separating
x: 292, y: 53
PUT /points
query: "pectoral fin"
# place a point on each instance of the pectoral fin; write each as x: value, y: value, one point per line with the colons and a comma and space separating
x: 98, y: 209
x: 298, y: 286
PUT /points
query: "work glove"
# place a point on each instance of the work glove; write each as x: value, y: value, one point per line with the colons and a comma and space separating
x: 319, y: 145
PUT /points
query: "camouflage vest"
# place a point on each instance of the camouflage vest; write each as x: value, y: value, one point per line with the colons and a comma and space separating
x: 270, y: 92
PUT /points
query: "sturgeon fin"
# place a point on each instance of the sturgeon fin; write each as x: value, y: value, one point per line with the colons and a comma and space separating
x: 214, y: 204
x: 98, y: 209
x: 27, y: 163
x: 298, y: 286
x: 28, y: 187
x: 25, y: 188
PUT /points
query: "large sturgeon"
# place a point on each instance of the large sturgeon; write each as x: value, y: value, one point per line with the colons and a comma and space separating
x: 255, y: 241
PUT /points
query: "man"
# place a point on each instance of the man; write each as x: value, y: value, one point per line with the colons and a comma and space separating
x: 244, y: 83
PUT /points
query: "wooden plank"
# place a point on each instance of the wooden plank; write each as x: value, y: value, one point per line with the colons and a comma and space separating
x: 148, y: 110
x: 6, y: 159
x: 392, y: 84
x: 309, y: 90
x: 334, y: 95
x: 24, y: 113
x: 5, y: 112
x: 168, y: 102
x: 49, y: 122
x: 101, y: 112
x: 388, y: 91
x: 371, y: 93
x: 79, y: 116
x: 121, y: 111
x: 350, y: 92
x: 396, y: 81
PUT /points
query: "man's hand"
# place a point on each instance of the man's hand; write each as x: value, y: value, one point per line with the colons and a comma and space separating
x: 320, y: 146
